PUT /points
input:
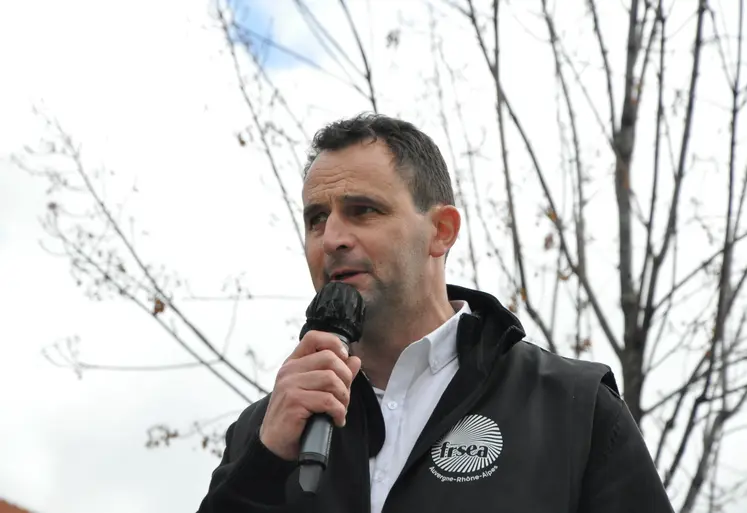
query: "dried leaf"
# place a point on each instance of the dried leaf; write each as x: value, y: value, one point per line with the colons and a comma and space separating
x: 583, y: 345
x: 512, y: 304
x: 551, y: 215
x: 158, y: 306
x: 549, y: 241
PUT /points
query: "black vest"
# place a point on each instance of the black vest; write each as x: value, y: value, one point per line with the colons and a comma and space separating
x: 511, y: 432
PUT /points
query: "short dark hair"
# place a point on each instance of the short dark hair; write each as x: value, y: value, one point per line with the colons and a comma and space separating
x: 416, y: 156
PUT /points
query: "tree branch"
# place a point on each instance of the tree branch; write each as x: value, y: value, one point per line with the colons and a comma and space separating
x: 582, y: 85
x: 367, y: 74
x: 695, y: 377
x: 649, y: 250
x: 693, y: 273
x: 672, y: 221
x: 74, y: 154
x: 552, y: 211
x: 435, y: 50
x: 313, y: 23
x: 648, y: 367
x: 624, y: 145
x: 160, y: 321
x: 245, y: 35
x: 700, y: 400
x: 500, y: 100
x: 275, y: 90
x: 605, y: 60
x: 261, y: 131
x: 579, y: 213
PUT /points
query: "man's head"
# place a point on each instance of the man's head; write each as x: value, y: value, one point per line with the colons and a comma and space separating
x: 378, y: 202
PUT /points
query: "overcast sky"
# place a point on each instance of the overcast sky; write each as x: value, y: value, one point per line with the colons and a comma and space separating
x: 149, y: 90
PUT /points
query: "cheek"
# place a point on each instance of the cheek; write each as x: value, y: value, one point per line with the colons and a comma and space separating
x: 315, y: 261
x: 392, y: 255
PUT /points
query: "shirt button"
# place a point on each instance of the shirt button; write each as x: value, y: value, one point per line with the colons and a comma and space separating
x: 392, y: 405
x: 378, y: 476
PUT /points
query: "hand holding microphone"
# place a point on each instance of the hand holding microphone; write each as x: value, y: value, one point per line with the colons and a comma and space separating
x: 316, y: 378
x: 312, y: 388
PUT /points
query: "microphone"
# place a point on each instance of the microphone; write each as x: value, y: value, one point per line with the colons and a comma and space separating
x: 337, y: 308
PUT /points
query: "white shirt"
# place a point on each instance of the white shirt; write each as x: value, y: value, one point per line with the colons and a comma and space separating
x: 419, y: 378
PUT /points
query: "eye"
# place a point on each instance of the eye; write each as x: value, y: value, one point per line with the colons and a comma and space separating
x: 317, y: 218
x: 361, y: 210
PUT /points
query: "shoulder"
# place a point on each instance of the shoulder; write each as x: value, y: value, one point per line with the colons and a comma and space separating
x: 592, y: 390
x: 564, y: 372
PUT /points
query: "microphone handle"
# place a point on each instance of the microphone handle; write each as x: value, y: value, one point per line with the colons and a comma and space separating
x: 315, y: 443
x: 317, y: 438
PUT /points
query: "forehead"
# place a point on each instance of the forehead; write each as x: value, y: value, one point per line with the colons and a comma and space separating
x: 357, y: 169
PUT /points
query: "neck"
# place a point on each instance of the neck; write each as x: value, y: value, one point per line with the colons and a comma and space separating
x: 384, y: 339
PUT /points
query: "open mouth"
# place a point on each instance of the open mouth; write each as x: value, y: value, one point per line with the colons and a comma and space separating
x: 342, y: 276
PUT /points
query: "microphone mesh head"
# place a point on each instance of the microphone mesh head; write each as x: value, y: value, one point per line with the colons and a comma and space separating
x: 337, y: 308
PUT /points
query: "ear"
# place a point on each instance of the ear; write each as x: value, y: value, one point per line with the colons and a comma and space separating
x: 446, y: 223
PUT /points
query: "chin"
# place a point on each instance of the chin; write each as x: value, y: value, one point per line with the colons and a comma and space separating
x: 371, y: 300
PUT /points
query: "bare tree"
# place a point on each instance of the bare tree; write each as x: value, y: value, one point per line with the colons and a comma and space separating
x: 678, y: 261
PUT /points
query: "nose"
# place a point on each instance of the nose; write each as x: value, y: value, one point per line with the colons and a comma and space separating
x: 337, y: 234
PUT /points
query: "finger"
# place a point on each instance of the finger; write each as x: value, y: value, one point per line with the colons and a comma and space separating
x: 323, y: 360
x: 323, y: 381
x: 314, y: 341
x: 354, y: 364
x: 314, y: 401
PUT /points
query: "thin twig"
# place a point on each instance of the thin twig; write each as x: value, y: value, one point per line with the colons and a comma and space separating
x: 261, y: 131
x: 673, y: 209
x: 664, y: 319
x: 455, y: 166
x: 552, y: 211
x: 321, y: 33
x: 579, y: 213
x: 657, y: 149
x: 275, y: 90
x: 471, y: 163
x: 695, y: 377
x: 364, y: 57
x: 582, y: 85
x: 685, y: 280
x: 140, y: 368
x: 172, y: 332
x: 245, y: 35
x: 690, y: 425
x: 605, y: 60
x: 75, y: 155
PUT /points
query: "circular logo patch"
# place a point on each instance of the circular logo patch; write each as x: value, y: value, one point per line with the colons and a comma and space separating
x: 472, y: 445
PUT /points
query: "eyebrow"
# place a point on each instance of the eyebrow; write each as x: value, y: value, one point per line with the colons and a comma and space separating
x: 347, y: 199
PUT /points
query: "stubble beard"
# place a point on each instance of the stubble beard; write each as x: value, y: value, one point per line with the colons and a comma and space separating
x: 383, y: 306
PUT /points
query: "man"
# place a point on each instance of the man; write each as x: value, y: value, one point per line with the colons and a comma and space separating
x: 441, y: 406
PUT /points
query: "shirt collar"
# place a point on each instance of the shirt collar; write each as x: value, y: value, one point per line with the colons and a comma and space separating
x: 442, y: 340
x: 442, y: 344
